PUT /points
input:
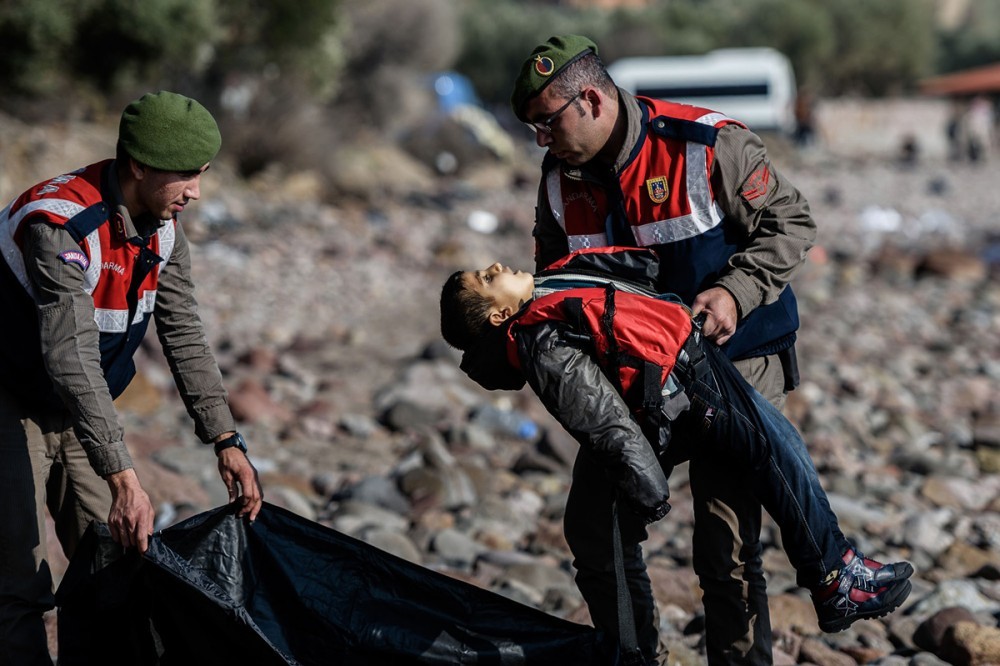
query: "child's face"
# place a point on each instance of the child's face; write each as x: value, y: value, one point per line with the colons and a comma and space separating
x: 508, y: 289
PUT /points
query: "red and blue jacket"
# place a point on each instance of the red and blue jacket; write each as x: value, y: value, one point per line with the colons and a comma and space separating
x: 121, y: 275
x: 663, y: 199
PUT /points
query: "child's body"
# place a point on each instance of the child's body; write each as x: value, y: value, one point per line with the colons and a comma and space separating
x: 623, y: 369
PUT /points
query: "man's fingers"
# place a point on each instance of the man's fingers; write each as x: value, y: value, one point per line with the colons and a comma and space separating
x: 251, y: 492
x: 231, y: 485
x: 709, y: 326
x: 241, y: 480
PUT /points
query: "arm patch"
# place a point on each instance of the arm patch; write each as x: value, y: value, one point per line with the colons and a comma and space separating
x: 75, y: 257
x: 755, y: 188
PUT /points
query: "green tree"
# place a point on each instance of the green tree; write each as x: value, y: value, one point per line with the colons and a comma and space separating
x: 497, y: 36
x: 801, y: 29
x: 882, y: 48
x: 118, y: 43
x: 34, y: 35
x: 300, y: 40
x: 973, y: 42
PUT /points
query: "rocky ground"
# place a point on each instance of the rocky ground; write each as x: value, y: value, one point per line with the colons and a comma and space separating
x: 324, y: 318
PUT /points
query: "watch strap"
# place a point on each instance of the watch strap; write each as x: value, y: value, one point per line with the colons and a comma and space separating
x: 234, y: 440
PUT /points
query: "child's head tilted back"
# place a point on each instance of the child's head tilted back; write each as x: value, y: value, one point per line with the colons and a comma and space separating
x: 464, y: 313
x: 473, y: 301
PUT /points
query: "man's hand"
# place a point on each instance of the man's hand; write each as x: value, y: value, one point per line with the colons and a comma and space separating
x: 131, y: 517
x: 241, y: 480
x: 721, y: 314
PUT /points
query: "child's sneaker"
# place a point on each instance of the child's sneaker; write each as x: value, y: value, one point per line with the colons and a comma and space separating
x: 862, y: 589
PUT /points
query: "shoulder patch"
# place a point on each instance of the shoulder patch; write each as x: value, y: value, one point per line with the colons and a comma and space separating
x: 75, y: 257
x: 755, y: 188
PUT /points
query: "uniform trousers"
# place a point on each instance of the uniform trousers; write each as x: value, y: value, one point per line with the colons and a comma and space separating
x: 42, y: 465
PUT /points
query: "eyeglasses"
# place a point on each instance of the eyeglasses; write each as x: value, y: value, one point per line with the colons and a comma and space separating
x: 545, y: 127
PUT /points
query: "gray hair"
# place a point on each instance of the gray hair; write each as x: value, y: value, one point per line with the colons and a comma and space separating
x: 587, y: 71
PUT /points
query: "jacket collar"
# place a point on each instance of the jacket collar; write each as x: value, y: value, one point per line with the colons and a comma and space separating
x: 636, y: 118
x: 121, y: 220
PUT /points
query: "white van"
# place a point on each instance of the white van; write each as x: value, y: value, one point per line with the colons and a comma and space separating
x: 753, y: 85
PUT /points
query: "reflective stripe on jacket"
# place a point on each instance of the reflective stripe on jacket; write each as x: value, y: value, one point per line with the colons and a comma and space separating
x: 120, y: 274
x: 662, y: 198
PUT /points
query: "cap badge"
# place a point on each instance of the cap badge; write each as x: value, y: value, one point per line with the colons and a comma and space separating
x: 544, y: 65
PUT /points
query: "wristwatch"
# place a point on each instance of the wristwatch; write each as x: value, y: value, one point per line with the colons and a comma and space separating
x: 236, y: 439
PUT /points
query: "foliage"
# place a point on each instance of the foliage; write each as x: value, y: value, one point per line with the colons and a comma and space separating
x: 499, y: 34
x: 882, y: 47
x: 47, y: 45
x: 391, y: 46
x: 973, y: 40
x: 299, y: 40
x: 33, y: 33
x: 835, y: 47
x: 290, y: 79
x: 357, y: 51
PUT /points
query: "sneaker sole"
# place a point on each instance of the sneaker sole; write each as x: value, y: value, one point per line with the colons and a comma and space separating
x: 896, y: 598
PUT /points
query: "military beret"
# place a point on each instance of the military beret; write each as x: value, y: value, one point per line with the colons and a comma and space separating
x: 169, y: 132
x: 544, y: 65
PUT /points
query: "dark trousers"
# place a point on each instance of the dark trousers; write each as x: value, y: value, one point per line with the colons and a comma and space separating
x: 42, y: 464
x: 727, y: 548
x: 735, y: 435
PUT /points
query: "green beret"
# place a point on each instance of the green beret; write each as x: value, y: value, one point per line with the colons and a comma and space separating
x: 545, y: 63
x: 169, y: 132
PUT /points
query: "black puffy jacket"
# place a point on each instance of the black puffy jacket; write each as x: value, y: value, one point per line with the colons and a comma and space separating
x: 556, y: 361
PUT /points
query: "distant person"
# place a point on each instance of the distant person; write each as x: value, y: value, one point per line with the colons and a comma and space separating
x: 805, y: 120
x: 980, y: 127
x: 955, y: 131
x: 909, y: 150
x: 731, y: 231
x: 88, y: 258
x: 628, y: 373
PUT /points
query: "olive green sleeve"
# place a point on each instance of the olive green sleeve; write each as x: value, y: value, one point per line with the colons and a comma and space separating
x: 71, y: 348
x: 182, y: 337
x: 773, y: 216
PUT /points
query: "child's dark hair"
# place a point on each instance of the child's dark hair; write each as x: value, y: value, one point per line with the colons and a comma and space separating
x: 464, y: 313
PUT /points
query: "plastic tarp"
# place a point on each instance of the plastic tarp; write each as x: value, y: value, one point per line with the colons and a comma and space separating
x: 215, y: 589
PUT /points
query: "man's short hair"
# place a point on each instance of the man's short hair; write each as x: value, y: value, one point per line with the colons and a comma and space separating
x: 465, y: 315
x: 587, y: 71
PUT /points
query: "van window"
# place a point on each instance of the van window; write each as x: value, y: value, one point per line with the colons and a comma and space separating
x: 753, y: 85
x: 705, y: 90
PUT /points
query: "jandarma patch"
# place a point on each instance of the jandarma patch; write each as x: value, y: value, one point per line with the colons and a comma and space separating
x: 544, y: 65
x: 657, y: 188
x: 75, y: 257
